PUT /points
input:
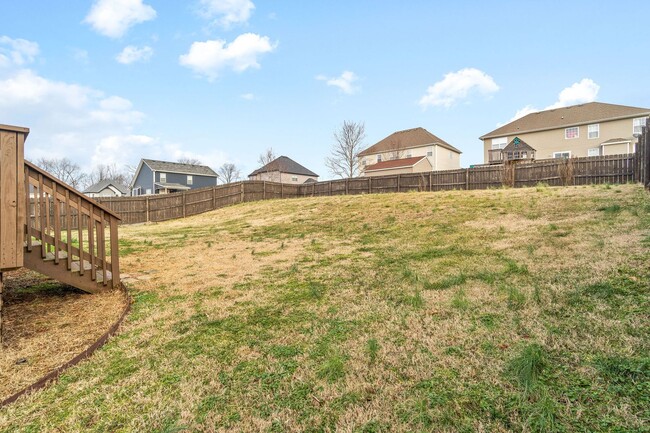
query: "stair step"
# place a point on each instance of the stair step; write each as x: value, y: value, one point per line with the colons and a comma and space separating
x: 100, y: 276
x: 50, y: 256
x: 77, y: 268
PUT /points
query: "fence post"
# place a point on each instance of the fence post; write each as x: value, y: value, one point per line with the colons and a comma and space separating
x: 330, y: 188
x: 346, y: 186
x: 0, y: 308
x: 241, y: 194
x: 430, y: 181
x: 313, y: 189
x: 263, y: 190
x: 183, y: 204
x: 214, y: 197
x: 398, y: 179
x: 370, y: 185
x: 281, y: 190
x: 467, y: 179
x: 147, y: 204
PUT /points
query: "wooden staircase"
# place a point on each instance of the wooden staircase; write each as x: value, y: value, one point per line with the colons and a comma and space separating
x: 50, y: 227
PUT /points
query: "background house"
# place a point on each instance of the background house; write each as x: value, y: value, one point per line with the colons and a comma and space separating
x: 589, y: 129
x: 408, y: 144
x: 162, y: 177
x: 106, y: 188
x: 284, y: 170
x: 417, y: 164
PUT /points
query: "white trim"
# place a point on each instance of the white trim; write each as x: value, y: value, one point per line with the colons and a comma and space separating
x: 597, y: 149
x: 572, y: 138
x: 500, y: 145
x: 616, y: 142
x: 561, y: 152
x: 597, y: 125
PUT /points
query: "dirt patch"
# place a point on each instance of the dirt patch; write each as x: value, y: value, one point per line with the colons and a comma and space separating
x: 47, y: 323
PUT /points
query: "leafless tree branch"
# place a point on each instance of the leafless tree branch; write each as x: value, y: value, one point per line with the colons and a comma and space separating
x: 344, y: 160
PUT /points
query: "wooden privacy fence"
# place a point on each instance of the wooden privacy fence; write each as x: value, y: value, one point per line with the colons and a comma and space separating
x: 554, y: 172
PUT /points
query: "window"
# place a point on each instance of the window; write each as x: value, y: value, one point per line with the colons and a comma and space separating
x: 594, y: 151
x: 570, y: 133
x: 409, y: 154
x: 136, y: 191
x: 163, y: 177
x: 148, y: 190
x: 190, y: 180
x: 593, y: 131
x: 637, y: 124
x: 378, y: 158
x: 564, y: 154
x: 430, y: 153
x: 294, y: 178
x: 499, y: 143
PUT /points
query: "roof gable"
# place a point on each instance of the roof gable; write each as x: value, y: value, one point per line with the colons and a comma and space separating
x: 517, y: 144
x: 406, y: 139
x: 284, y: 164
x: 395, y: 163
x: 103, y: 184
x: 592, y: 112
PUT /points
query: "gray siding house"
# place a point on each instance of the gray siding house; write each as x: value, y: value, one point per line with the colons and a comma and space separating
x: 162, y: 177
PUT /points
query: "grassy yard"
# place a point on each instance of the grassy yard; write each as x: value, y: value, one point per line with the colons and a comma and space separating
x: 499, y: 310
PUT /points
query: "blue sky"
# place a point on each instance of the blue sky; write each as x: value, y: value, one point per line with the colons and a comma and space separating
x: 113, y: 81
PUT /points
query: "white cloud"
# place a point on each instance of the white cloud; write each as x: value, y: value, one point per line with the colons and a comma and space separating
x: 17, y: 52
x: 247, y: 96
x: 210, y: 57
x: 456, y: 86
x: 113, y: 18
x: 345, y: 82
x: 226, y: 12
x: 586, y: 90
x: 122, y: 150
x: 131, y: 54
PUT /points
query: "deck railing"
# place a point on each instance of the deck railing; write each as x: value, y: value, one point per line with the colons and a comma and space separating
x: 66, y: 225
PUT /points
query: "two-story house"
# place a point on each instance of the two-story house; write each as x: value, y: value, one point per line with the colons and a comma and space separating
x: 410, y: 151
x: 591, y: 129
x: 284, y: 170
x: 162, y: 177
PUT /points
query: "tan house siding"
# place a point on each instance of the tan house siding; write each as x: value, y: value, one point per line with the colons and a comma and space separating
x: 421, y: 166
x: 439, y: 160
x: 546, y: 143
x: 276, y: 176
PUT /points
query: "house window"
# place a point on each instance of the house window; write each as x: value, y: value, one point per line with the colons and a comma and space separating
x: 570, y: 133
x: 137, y: 191
x: 294, y: 178
x: 524, y: 154
x: 499, y: 143
x: 190, y: 180
x: 637, y: 124
x: 593, y: 131
x: 378, y: 158
x: 564, y: 154
x: 430, y: 153
x: 409, y: 154
x: 594, y: 151
x: 148, y: 190
x: 163, y: 177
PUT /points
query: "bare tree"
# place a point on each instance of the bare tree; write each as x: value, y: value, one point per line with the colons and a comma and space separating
x: 397, y: 149
x: 190, y: 161
x: 266, y: 157
x: 64, y: 169
x: 344, y: 160
x: 229, y: 172
x: 108, y: 172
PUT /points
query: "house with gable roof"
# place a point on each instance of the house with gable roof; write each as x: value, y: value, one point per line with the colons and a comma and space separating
x: 409, y: 151
x: 284, y: 170
x: 106, y: 188
x: 163, y: 177
x: 591, y: 129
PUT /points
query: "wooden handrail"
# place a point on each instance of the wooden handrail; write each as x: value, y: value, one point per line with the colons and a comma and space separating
x: 55, y: 204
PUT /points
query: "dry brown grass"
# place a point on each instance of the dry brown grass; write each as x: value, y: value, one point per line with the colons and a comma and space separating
x: 46, y: 324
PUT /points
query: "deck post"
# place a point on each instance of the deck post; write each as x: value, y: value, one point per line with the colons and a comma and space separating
x: 12, y: 196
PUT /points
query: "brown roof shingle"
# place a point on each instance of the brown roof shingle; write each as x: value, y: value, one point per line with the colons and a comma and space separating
x: 591, y: 112
x: 284, y: 164
x: 395, y: 163
x: 408, y: 138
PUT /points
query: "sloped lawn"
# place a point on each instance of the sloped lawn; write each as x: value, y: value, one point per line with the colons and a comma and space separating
x: 500, y: 310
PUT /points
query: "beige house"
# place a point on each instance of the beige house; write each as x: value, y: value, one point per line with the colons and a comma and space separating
x: 284, y: 170
x: 591, y: 129
x: 416, y: 164
x: 409, y: 144
x: 107, y: 188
